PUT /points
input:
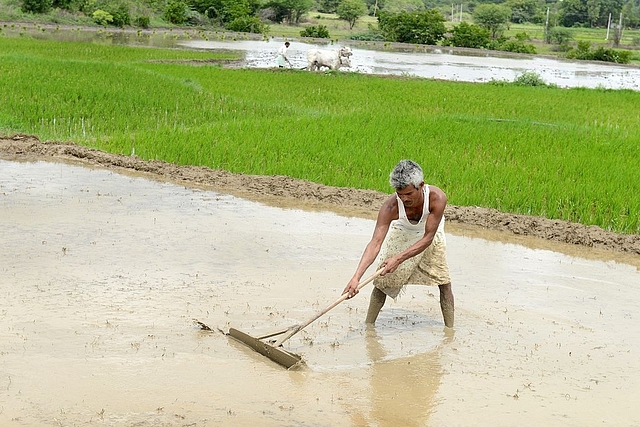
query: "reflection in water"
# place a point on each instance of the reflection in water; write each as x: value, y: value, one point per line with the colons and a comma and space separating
x: 409, y: 402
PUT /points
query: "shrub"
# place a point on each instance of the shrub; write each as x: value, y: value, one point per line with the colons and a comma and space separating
x: 413, y: 27
x: 176, y: 12
x: 517, y: 46
x: 36, y: 6
x: 468, y: 35
x: 248, y: 24
x: 370, y: 35
x: 530, y: 78
x: 101, y: 17
x: 584, y: 52
x: 121, y: 16
x: 320, y: 32
x: 142, y: 22
x: 559, y: 36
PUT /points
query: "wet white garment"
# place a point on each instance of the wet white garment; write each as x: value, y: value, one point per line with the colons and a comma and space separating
x: 401, y: 235
x: 282, y: 55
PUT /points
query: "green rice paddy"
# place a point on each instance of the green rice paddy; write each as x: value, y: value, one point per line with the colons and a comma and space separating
x: 569, y: 154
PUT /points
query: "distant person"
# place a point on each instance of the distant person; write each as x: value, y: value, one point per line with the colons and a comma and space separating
x: 282, y: 55
x: 409, y: 236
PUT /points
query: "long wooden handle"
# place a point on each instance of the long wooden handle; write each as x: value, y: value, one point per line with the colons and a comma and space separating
x: 295, y: 329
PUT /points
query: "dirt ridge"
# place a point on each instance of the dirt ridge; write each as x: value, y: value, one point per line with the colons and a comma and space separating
x: 357, y: 202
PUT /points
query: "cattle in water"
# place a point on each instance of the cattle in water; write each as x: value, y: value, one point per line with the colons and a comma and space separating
x: 332, y: 59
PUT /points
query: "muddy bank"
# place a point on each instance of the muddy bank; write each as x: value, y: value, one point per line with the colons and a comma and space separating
x: 303, y: 194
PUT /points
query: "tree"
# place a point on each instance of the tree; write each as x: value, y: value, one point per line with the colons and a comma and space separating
x: 176, y: 12
x: 468, y: 35
x: 226, y: 11
x: 351, y: 10
x: 417, y: 27
x: 36, y: 6
x: 492, y: 17
x: 288, y: 10
x: 523, y: 11
x: 573, y: 13
x: 328, y: 6
x: 397, y: 6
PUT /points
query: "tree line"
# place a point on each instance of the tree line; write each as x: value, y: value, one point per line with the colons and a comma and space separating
x: 408, y: 21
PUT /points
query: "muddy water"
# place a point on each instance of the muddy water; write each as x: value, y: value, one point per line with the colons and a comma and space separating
x: 442, y: 63
x: 102, y: 274
x: 465, y: 65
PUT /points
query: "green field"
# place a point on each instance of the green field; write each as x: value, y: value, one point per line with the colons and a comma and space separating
x: 569, y: 154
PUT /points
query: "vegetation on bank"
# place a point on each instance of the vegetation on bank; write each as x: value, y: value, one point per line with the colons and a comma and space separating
x: 567, y: 154
x: 557, y: 27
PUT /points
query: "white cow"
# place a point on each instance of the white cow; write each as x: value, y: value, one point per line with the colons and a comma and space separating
x: 332, y: 59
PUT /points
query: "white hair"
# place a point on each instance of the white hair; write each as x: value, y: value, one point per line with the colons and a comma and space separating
x: 406, y: 172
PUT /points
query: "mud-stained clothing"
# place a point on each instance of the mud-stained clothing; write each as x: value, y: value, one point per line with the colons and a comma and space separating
x: 427, y: 268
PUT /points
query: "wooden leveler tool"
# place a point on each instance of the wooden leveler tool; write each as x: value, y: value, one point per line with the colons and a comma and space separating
x: 273, y: 348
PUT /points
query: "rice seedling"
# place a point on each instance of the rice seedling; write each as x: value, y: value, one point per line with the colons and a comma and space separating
x: 569, y: 154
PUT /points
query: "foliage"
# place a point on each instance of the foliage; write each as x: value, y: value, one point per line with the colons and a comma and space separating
x: 493, y: 17
x: 417, y: 27
x: 585, y: 52
x: 468, y: 35
x: 320, y: 32
x: 523, y: 11
x: 288, y: 10
x: 560, y: 36
x: 531, y: 78
x: 36, y: 6
x: 142, y: 21
x: 397, y: 6
x: 328, y: 6
x: 508, y: 45
x: 589, y: 13
x: 176, y: 12
x: 248, y: 24
x: 525, y: 79
x: 102, y: 18
x: 226, y: 11
x: 121, y: 16
x: 370, y: 35
x: 351, y: 10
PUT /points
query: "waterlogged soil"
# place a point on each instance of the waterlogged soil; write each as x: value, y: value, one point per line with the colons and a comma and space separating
x: 381, y: 58
x: 106, y: 261
x: 361, y: 203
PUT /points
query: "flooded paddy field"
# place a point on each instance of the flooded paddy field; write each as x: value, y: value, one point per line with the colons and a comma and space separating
x: 103, y: 271
x: 434, y: 62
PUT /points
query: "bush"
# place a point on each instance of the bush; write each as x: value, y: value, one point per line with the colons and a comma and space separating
x: 518, y: 47
x: 417, y: 27
x: 176, y: 12
x: 530, y: 78
x: 101, y: 17
x: 320, y: 32
x: 584, y: 52
x: 371, y: 35
x: 468, y: 35
x: 248, y: 24
x: 142, y: 22
x: 36, y: 6
x: 507, y: 45
x: 559, y: 36
x: 121, y: 17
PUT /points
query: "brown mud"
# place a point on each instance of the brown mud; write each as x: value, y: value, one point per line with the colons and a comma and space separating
x: 106, y: 261
x: 305, y: 194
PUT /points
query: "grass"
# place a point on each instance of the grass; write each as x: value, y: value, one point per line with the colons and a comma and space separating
x: 569, y: 154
